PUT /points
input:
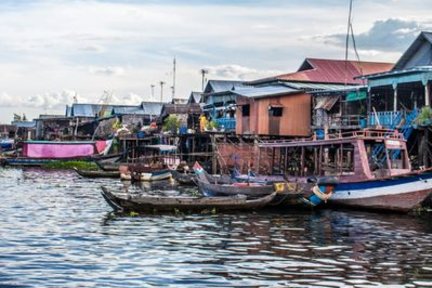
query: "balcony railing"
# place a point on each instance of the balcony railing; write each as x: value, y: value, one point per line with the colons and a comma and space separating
x: 340, y: 122
x: 386, y: 119
x: 229, y: 124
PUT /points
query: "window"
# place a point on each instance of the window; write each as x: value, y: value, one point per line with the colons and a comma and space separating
x: 275, y: 111
x: 245, y: 110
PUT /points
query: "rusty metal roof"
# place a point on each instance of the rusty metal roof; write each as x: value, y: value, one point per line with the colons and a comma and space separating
x: 330, y: 71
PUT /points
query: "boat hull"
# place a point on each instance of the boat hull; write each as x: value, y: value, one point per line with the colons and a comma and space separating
x: 395, y: 194
x: 184, y: 178
x: 211, y: 189
x: 98, y: 174
x: 36, y: 162
x: 126, y: 202
x: 147, y: 176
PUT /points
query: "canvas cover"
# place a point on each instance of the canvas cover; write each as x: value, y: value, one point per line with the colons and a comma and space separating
x: 46, y: 149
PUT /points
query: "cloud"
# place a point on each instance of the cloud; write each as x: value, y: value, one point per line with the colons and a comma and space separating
x: 385, y: 35
x: 107, y: 71
x: 51, y: 100
x: 94, y: 48
x: 233, y: 71
x: 7, y: 100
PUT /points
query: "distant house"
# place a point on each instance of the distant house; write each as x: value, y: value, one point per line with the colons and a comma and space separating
x: 219, y: 102
x: 396, y: 97
x: 273, y: 110
x: 195, y: 98
x: 179, y: 101
x: 291, y: 110
x: 188, y: 114
x: 51, y: 127
x: 7, y: 131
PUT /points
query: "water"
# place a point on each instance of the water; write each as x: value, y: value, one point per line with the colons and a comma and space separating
x: 57, y: 231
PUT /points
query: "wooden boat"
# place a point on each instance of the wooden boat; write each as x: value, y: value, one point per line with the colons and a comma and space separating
x: 253, y: 178
x: 184, y: 178
x: 98, y: 173
x: 146, y: 203
x: 109, y: 166
x: 142, y: 172
x: 108, y: 159
x: 209, y: 186
x: 372, y: 169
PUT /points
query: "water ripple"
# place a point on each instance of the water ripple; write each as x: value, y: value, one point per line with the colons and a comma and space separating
x: 58, y: 232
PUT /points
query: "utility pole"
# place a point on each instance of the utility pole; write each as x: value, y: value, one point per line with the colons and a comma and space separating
x: 162, y: 83
x: 203, y: 78
x: 174, y: 77
x: 152, y: 86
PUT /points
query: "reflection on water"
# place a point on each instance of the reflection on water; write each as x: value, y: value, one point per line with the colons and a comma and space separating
x: 57, y: 231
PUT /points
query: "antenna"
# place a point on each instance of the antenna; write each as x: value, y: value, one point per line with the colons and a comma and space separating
x: 174, y: 77
x: 152, y: 86
x: 347, y: 40
x: 203, y: 73
x: 162, y: 83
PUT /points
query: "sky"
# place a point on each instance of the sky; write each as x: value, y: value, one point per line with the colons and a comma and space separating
x: 52, y: 51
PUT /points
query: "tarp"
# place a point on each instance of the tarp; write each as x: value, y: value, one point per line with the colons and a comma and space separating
x: 326, y: 102
x: 48, y: 149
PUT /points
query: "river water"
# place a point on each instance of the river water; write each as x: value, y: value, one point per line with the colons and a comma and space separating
x: 57, y: 231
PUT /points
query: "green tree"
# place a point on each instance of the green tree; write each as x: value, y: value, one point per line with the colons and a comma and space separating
x: 171, y: 123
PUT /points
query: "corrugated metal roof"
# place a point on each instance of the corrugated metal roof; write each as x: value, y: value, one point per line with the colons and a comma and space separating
x: 413, y: 49
x: 343, y: 90
x: 314, y: 86
x: 265, y: 91
x: 215, y: 86
x: 152, y: 108
x: 87, y: 110
x: 123, y: 110
x: 195, y: 97
x: 24, y: 124
x: 330, y: 71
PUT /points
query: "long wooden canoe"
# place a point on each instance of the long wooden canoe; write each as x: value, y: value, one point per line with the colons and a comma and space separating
x: 98, y: 173
x: 209, y: 186
x: 121, y: 201
x: 247, y: 189
x: 184, y: 178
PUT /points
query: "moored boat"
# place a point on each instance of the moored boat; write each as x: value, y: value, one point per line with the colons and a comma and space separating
x: 371, y: 168
x: 184, y: 178
x: 97, y: 173
x: 209, y: 186
x: 139, y: 172
x: 121, y: 201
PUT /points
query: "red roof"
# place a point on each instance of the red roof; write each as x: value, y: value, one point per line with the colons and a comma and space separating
x: 332, y: 71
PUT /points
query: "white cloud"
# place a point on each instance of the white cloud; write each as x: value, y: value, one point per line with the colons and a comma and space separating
x: 52, y: 100
x: 238, y: 72
x: 107, y: 71
x: 75, y: 45
x: 7, y: 100
x: 93, y: 48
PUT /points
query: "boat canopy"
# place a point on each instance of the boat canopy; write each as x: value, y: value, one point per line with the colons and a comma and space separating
x: 163, y: 147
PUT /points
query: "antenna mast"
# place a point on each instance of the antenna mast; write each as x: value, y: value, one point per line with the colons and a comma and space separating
x: 162, y: 83
x: 174, y: 77
x: 347, y: 40
x: 203, y: 79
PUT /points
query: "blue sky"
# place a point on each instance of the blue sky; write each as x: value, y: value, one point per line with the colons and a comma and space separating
x: 53, y: 50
